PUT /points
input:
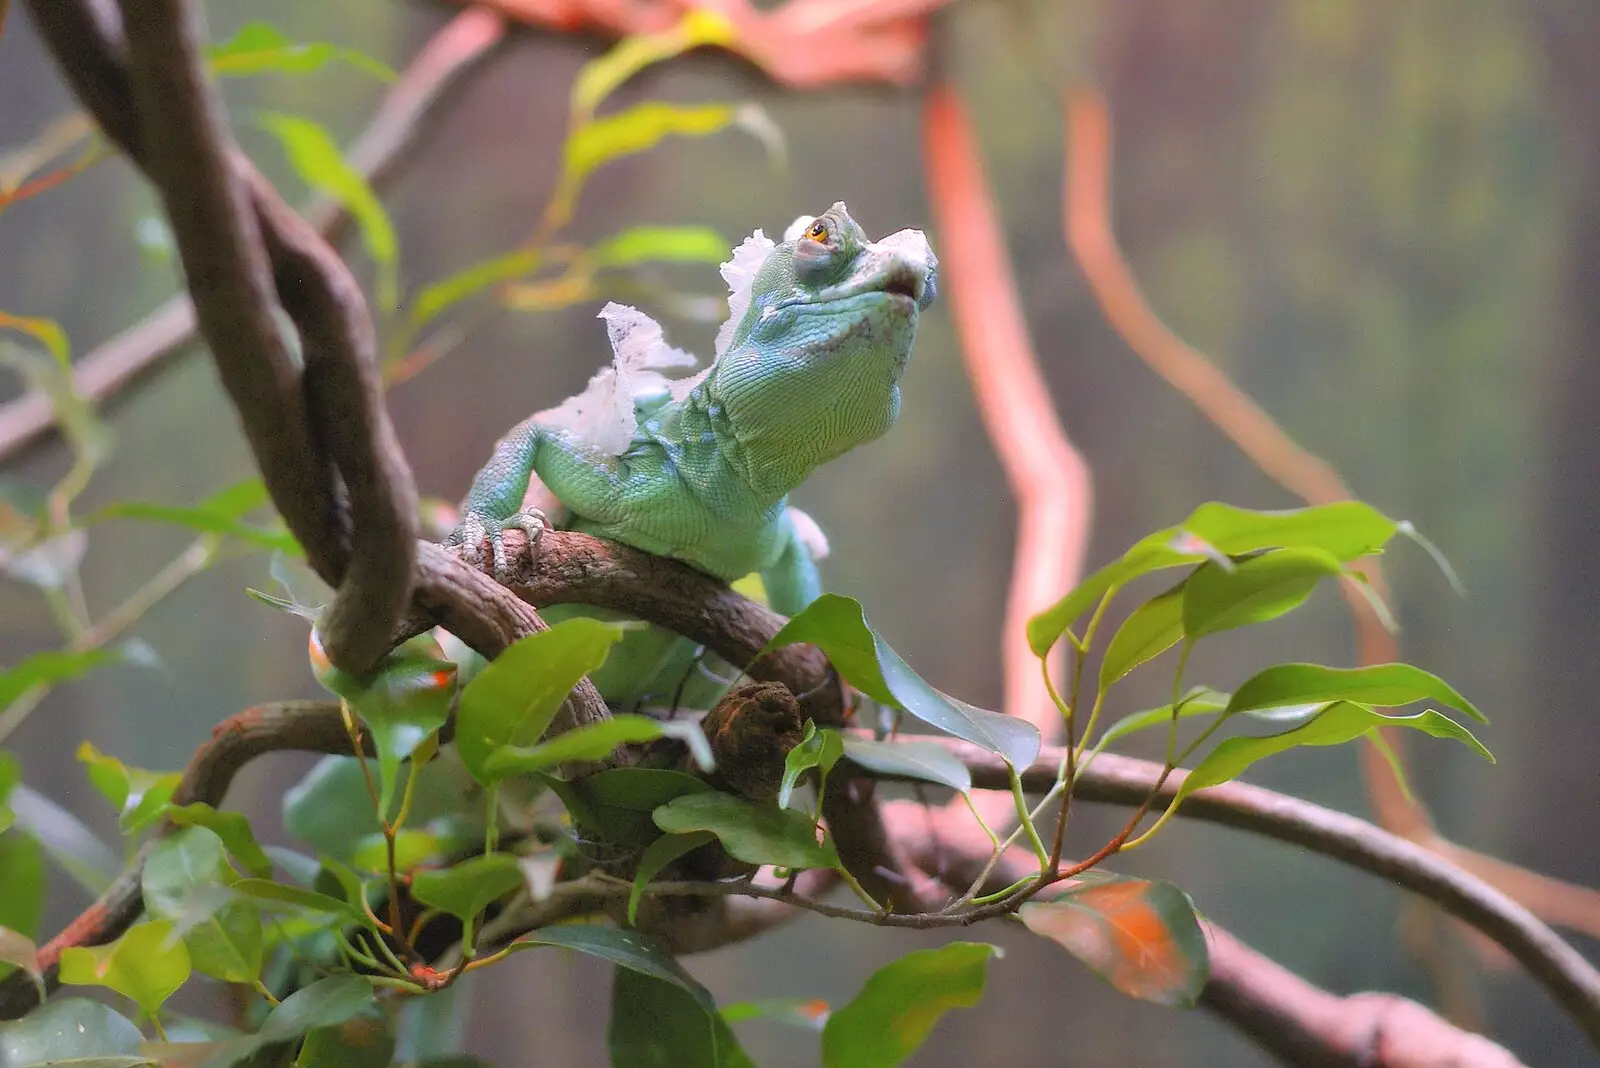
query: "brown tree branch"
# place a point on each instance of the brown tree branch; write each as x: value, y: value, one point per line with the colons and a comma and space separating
x: 103, y: 374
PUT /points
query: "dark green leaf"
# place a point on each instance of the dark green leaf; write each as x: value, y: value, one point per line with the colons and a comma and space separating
x: 615, y: 804
x: 1340, y: 722
x: 231, y: 827
x: 1140, y: 936
x: 894, y: 1012
x: 658, y: 855
x: 657, y: 1024
x: 294, y: 897
x: 593, y: 742
x: 1152, y: 629
x: 260, y: 48
x: 326, y: 1003
x: 1384, y: 685
x: 911, y: 758
x: 146, y: 964
x: 514, y: 698
x: 751, y: 833
x: 50, y: 668
x: 363, y: 1041
x: 1255, y: 590
x: 70, y: 1031
x: 469, y: 887
x: 629, y: 949
x: 838, y: 626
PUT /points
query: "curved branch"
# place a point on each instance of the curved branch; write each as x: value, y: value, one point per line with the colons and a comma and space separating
x: 454, y: 51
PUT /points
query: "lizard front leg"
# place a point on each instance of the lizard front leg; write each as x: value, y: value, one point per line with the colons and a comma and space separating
x: 581, y: 477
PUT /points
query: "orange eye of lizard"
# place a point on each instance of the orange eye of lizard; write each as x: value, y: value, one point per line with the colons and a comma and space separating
x: 818, y: 231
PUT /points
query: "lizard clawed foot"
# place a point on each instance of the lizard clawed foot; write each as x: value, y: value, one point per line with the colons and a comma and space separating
x: 475, y: 526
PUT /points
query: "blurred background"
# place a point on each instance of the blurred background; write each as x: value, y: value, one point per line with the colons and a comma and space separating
x: 1382, y: 220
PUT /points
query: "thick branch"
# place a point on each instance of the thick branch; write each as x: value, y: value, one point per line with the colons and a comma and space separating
x: 102, y: 374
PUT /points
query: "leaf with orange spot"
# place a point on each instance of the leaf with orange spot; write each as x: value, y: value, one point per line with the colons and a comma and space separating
x: 1139, y: 935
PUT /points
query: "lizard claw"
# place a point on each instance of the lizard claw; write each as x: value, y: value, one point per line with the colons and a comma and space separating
x: 474, y: 527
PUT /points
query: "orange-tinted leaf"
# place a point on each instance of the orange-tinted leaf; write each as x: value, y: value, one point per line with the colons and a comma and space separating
x: 1140, y: 936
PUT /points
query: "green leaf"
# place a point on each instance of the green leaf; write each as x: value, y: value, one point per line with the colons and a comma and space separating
x: 817, y: 749
x: 326, y: 1003
x: 1256, y: 590
x: 50, y: 668
x: 331, y: 809
x: 751, y: 833
x: 139, y: 796
x: 71, y: 1031
x: 412, y: 849
x: 1152, y: 629
x: 838, y: 626
x: 10, y: 774
x: 1384, y: 685
x: 405, y: 701
x: 599, y: 77
x: 661, y: 244
x: 894, y: 1012
x: 23, y: 885
x: 231, y: 827
x: 469, y: 281
x: 615, y: 805
x: 181, y: 879
x: 1140, y: 936
x: 146, y: 964
x: 207, y: 521
x: 514, y: 698
x: 259, y: 48
x: 912, y: 759
x: 657, y: 1024
x: 658, y: 855
x: 1340, y: 722
x: 1346, y: 530
x: 593, y: 742
x: 294, y: 897
x: 1199, y: 701
x: 469, y: 887
x: 318, y: 160
x: 362, y: 1041
x: 628, y: 949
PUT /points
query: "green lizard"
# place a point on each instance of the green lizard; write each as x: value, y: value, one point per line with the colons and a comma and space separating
x: 807, y: 367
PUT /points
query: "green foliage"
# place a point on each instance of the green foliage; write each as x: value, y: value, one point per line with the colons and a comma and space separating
x: 657, y: 1024
x: 260, y: 48
x: 755, y: 834
x: 894, y: 1012
x: 139, y: 796
x: 185, y: 880
x: 514, y: 698
x: 927, y: 761
x: 817, y: 749
x: 71, y: 1031
x: 470, y: 886
x: 231, y: 828
x: 147, y: 964
x: 50, y: 667
x: 1141, y: 936
x: 626, y: 949
x: 222, y: 513
x: 593, y: 742
x: 838, y: 626
x: 326, y: 1003
x: 660, y: 853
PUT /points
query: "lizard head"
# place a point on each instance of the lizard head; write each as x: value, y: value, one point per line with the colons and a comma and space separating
x: 812, y: 363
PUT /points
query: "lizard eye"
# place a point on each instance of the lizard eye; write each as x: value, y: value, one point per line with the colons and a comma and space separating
x: 818, y: 231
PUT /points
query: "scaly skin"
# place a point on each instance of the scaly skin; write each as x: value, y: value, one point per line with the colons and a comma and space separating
x: 812, y: 371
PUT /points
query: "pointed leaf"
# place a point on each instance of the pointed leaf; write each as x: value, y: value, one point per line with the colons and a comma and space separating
x: 627, y: 949
x: 1340, y: 722
x: 1152, y: 629
x: 407, y: 699
x: 658, y: 855
x: 69, y: 1031
x: 231, y: 827
x: 1197, y: 702
x: 260, y: 48
x: 894, y: 1012
x: 912, y: 759
x: 50, y: 668
x: 139, y: 796
x: 596, y: 741
x: 838, y: 626
x: 1140, y: 936
x: 469, y: 887
x: 205, y: 520
x: 146, y: 964
x: 755, y: 835
x: 1258, y: 589
x: 599, y: 77
x: 294, y: 897
x: 661, y: 244
x: 657, y: 1024
x: 1384, y: 685
x: 514, y: 698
